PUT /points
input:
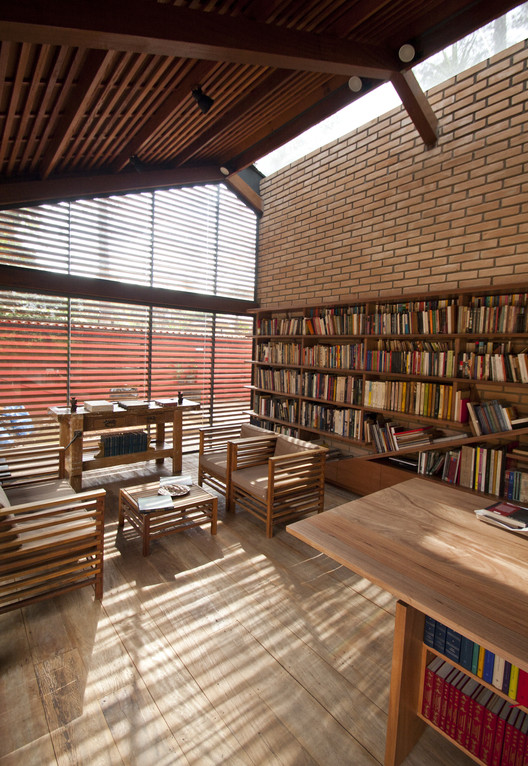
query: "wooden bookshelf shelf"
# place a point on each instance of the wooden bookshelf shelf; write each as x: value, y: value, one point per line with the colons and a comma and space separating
x: 367, y: 363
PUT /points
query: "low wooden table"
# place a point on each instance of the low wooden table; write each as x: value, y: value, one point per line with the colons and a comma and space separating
x: 192, y: 510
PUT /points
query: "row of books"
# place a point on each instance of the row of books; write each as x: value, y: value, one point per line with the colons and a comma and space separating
x: 340, y: 320
x: 512, y: 368
x: 281, y: 409
x: 438, y: 363
x: 494, y: 313
x: 484, y: 314
x: 334, y: 388
x: 279, y: 353
x: 516, y: 485
x: 339, y: 356
x: 123, y: 443
x: 478, y: 660
x: 491, y: 417
x: 280, y: 325
x: 480, y: 720
x: 426, y: 317
x: 433, y: 400
x: 283, y: 381
x: 344, y: 422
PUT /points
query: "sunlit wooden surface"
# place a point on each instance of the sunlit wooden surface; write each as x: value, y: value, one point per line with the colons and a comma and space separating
x: 233, y: 649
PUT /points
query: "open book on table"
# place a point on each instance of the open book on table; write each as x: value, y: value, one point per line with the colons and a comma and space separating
x: 505, y: 514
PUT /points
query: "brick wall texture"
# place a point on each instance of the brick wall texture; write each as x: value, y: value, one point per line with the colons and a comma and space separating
x: 377, y: 213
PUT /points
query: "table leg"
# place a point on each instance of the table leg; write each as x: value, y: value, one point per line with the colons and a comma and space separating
x: 146, y: 534
x: 404, y: 727
x: 121, y: 515
x: 177, y: 437
x: 214, y: 515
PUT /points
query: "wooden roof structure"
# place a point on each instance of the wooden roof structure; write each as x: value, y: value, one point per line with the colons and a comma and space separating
x: 97, y: 97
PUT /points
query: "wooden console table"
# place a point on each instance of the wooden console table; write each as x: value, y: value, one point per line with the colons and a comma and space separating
x: 74, y: 425
x: 423, y: 543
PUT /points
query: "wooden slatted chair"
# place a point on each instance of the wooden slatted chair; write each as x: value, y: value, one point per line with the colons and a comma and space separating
x: 279, y: 487
x: 51, y: 539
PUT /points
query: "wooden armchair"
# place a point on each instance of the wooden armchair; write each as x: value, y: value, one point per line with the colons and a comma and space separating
x: 51, y: 539
x: 213, y: 453
x: 278, y: 487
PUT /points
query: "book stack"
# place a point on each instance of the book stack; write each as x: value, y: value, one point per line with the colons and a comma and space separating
x: 123, y: 443
x: 516, y: 485
x: 488, y: 724
x: 490, y: 417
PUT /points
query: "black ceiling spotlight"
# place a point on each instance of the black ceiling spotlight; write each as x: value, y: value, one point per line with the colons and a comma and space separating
x: 204, y: 102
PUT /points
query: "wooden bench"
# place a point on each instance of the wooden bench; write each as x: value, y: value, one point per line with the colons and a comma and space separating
x: 51, y: 539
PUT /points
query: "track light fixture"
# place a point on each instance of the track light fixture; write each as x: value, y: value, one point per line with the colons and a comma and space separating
x: 204, y: 102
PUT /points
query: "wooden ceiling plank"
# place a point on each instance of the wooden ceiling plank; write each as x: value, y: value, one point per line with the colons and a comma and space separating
x: 34, y: 84
x: 162, y: 113
x: 95, y: 121
x: 18, y: 193
x: 235, y: 114
x: 59, y: 56
x: 22, y: 61
x: 4, y: 57
x: 417, y: 106
x: 93, y: 70
x: 354, y: 17
x: 52, y: 118
x: 119, y: 102
x: 277, y: 134
x: 124, y: 25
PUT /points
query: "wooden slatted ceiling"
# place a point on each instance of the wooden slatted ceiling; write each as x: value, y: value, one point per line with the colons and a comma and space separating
x: 84, y: 87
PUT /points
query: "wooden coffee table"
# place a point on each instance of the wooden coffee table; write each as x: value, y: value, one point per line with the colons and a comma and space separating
x: 195, y: 509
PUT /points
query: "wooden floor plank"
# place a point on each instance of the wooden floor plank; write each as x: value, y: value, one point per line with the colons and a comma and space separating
x: 234, y: 649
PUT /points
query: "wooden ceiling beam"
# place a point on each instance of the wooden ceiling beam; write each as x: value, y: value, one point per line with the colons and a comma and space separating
x: 173, y: 31
x: 244, y: 191
x: 40, y: 281
x: 92, y: 72
x: 418, y: 108
x: 19, y: 193
x: 171, y: 103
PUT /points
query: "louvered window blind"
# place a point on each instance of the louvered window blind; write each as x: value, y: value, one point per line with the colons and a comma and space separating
x: 199, y: 239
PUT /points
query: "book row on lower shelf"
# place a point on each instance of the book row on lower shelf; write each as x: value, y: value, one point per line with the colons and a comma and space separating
x: 478, y: 660
x: 483, y: 722
x: 123, y: 443
x: 488, y: 723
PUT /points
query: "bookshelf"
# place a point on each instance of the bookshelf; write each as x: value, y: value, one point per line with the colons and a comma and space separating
x: 388, y: 380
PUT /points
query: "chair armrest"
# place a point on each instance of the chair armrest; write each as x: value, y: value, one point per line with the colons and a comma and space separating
x: 33, y: 464
x: 250, y: 451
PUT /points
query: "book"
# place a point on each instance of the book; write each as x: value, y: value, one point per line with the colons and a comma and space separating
x: 154, y: 502
x: 98, y: 405
x: 505, y: 514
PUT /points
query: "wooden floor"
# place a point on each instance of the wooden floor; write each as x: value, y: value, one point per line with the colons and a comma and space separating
x: 232, y: 649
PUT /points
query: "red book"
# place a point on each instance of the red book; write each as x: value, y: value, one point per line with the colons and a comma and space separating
x: 452, y: 704
x: 429, y: 676
x: 496, y: 759
x: 464, y: 706
x: 489, y: 727
x: 479, y: 704
x: 509, y: 736
x: 446, y: 692
x: 438, y: 692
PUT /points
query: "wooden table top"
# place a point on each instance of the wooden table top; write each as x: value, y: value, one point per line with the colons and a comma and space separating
x: 423, y: 543
x: 196, y: 495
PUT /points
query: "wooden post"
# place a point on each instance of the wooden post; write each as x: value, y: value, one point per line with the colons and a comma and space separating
x: 177, y: 437
x: 404, y: 727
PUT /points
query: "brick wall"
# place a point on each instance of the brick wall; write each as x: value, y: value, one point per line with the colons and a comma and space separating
x: 377, y: 213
